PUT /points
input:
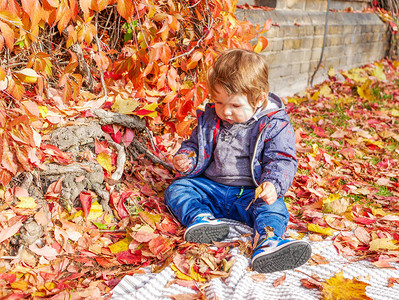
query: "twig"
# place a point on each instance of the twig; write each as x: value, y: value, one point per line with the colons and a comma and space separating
x: 100, y: 67
x: 143, y: 149
x: 198, y: 42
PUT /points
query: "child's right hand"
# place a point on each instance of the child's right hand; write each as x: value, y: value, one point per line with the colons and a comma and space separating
x: 182, y: 163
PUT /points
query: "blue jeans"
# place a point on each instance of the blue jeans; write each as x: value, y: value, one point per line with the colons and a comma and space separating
x: 189, y: 197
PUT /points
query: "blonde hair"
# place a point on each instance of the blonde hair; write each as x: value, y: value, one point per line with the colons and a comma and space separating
x: 240, y: 71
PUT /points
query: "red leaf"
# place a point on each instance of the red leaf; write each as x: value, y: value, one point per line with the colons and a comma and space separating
x: 319, y: 131
x: 10, y: 278
x: 159, y: 246
x: 349, y: 153
x: 363, y: 220
x: 119, y: 205
x: 127, y: 138
x: 54, y: 190
x: 127, y: 257
x: 85, y: 199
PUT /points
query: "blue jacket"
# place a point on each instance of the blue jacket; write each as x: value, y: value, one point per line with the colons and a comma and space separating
x: 272, y: 146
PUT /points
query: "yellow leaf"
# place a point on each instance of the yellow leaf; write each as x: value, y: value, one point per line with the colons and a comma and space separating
x: 297, y: 100
x: 325, y: 91
x: 43, y: 111
x: 108, y: 219
x: 356, y: 74
x: 192, y: 276
x: 124, y: 106
x: 104, y: 160
x: 364, y: 92
x: 318, y: 229
x: 258, y: 191
x: 96, y: 211
x: 315, y: 96
x: 384, y: 243
x: 26, y: 202
x: 379, y: 72
x: 335, y: 204
x: 395, y: 113
x: 376, y: 143
x: 20, y: 285
x: 340, y: 288
x: 27, y: 75
x: 179, y: 274
x: 78, y: 214
x: 195, y: 275
x: 120, y: 246
x: 261, y: 44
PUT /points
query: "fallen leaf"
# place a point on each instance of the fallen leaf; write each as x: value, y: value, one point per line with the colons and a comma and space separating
x: 260, y: 277
x: 340, y: 288
x: 279, y: 281
x: 318, y: 259
x: 383, y: 244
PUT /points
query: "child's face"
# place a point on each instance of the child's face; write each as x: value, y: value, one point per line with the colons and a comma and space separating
x: 233, y: 108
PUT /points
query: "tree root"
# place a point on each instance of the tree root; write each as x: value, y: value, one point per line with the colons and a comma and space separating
x: 82, y: 174
x: 141, y: 148
x: 108, y: 117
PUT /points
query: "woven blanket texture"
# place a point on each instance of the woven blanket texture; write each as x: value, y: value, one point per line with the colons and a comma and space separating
x: 239, y: 285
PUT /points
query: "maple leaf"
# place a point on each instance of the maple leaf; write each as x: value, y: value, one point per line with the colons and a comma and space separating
x: 341, y: 288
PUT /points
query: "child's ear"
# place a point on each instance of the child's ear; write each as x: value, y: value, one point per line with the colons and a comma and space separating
x: 261, y: 100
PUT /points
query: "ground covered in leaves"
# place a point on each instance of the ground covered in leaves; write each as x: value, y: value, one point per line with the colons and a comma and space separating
x: 347, y: 134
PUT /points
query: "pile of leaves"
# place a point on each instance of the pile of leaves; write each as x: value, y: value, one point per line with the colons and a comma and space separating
x: 347, y: 138
x: 347, y: 135
x: 60, y: 59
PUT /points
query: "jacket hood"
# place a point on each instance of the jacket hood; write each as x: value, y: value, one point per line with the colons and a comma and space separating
x: 274, y: 104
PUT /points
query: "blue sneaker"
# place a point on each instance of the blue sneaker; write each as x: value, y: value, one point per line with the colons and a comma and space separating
x: 206, y: 229
x: 275, y: 254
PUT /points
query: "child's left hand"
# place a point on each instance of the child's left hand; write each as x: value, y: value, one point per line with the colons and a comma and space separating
x: 267, y: 192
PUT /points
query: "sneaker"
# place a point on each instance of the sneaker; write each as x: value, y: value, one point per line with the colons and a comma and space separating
x: 275, y: 254
x: 206, y: 229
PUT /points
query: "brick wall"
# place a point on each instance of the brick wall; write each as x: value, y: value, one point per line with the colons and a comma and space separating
x: 295, y: 44
x: 309, y: 4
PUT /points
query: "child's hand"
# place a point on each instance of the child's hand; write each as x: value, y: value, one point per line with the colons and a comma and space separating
x: 182, y: 163
x: 267, y: 192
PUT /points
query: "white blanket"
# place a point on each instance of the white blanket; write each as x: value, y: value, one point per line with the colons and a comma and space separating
x: 239, y: 285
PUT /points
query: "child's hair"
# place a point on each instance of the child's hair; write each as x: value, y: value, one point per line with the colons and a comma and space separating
x: 240, y: 71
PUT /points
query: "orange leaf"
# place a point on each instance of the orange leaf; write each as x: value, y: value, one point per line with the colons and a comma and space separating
x: 340, y: 288
x: 8, y: 34
x: 125, y: 9
x: 279, y: 281
x: 63, y: 15
x: 260, y: 277
x: 33, y: 9
x: 15, y: 88
x: 183, y: 128
x: 193, y: 60
x: 261, y: 45
x: 267, y: 25
x: 85, y: 7
x: 5, y: 177
x: 8, y: 160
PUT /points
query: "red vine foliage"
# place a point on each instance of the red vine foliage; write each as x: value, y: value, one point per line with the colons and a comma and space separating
x: 146, y: 58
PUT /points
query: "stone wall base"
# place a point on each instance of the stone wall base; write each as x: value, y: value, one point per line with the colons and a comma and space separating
x: 296, y: 40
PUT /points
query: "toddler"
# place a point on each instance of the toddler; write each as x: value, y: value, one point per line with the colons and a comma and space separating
x: 243, y: 145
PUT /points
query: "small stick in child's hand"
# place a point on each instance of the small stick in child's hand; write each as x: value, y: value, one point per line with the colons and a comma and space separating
x: 258, y: 190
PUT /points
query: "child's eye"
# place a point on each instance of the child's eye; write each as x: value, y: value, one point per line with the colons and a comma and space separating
x: 236, y: 105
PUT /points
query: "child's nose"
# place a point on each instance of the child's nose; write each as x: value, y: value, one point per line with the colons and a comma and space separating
x: 227, y: 111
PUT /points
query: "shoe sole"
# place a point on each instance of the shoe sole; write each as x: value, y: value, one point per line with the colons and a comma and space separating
x: 289, y: 256
x: 207, y: 234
